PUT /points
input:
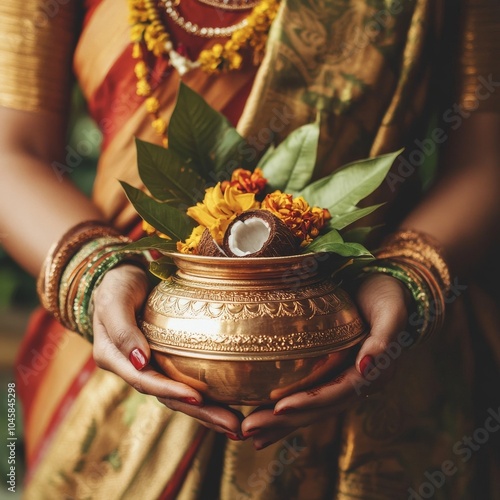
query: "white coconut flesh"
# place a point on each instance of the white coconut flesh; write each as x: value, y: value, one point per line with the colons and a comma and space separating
x: 248, y: 236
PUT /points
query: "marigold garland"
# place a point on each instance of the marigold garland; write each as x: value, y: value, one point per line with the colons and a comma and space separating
x: 147, y: 30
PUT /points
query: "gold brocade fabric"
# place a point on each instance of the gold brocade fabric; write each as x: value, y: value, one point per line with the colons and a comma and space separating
x: 479, y: 84
x: 36, y: 47
x: 365, y: 64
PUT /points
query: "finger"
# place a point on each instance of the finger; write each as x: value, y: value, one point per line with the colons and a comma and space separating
x: 146, y: 381
x: 383, y: 302
x: 333, y: 392
x: 265, y: 428
x: 218, y: 418
x: 116, y: 302
x: 270, y: 436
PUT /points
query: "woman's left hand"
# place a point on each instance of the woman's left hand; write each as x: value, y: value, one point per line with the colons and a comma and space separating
x: 383, y: 302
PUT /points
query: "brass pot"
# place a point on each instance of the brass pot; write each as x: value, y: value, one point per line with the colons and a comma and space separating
x: 250, y: 331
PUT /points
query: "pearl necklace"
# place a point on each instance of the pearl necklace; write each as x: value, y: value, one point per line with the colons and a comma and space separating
x: 194, y: 29
x: 230, y: 4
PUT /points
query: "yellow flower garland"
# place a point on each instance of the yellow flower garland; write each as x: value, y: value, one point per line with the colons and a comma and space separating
x: 146, y: 27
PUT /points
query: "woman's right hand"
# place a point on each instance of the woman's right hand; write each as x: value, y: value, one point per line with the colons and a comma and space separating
x: 120, y: 347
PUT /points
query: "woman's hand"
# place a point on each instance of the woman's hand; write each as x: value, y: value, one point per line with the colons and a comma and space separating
x: 383, y: 302
x: 120, y: 347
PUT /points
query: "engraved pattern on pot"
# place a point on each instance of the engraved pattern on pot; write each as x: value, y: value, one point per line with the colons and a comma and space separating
x: 251, y: 343
x: 233, y: 305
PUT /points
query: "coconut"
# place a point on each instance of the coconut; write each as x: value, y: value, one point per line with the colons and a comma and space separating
x: 259, y: 233
x: 208, y: 246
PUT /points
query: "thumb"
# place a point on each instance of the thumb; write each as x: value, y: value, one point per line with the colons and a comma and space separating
x: 383, y: 303
x: 117, y: 300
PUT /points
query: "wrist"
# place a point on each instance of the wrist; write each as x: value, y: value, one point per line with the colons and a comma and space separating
x: 74, y: 268
x: 418, y: 264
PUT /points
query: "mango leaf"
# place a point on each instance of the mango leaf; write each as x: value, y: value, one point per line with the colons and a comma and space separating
x: 343, y: 220
x: 166, y: 219
x: 152, y: 242
x: 351, y: 268
x: 166, y: 176
x: 162, y: 268
x: 204, y: 137
x: 333, y: 242
x: 291, y: 165
x: 359, y: 234
x: 344, y: 188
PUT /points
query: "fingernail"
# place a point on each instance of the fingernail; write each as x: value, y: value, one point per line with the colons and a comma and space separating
x: 138, y: 359
x: 251, y: 432
x: 191, y: 401
x: 262, y: 446
x: 284, y: 410
x: 234, y: 437
x: 366, y: 364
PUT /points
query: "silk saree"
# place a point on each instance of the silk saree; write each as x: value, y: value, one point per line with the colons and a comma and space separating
x: 370, y: 66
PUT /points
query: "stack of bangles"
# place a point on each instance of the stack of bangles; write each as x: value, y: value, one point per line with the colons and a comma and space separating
x: 417, y: 261
x: 75, y: 266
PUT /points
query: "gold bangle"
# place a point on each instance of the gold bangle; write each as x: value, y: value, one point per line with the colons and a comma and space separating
x: 418, y: 261
x: 58, y: 257
x: 421, y: 248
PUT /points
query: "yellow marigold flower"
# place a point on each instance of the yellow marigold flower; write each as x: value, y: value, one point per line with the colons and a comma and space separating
x: 219, y: 208
x: 160, y: 125
x: 217, y: 49
x: 191, y: 243
x: 149, y: 229
x: 303, y: 220
x: 143, y: 88
x: 239, y: 37
x: 208, y: 62
x: 136, y: 50
x: 137, y: 32
x: 152, y: 105
x: 140, y: 69
x: 235, y: 61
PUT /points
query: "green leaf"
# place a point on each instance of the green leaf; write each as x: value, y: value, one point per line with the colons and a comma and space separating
x: 203, y: 136
x: 290, y: 166
x: 344, y: 188
x: 152, y: 242
x: 166, y: 219
x: 333, y: 242
x: 166, y: 176
x: 163, y: 268
x: 359, y: 234
x: 343, y: 220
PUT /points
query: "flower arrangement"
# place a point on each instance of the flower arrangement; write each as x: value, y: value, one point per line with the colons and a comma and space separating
x: 209, y: 195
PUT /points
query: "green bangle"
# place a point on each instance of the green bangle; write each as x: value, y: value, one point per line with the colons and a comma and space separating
x: 111, y: 257
x: 417, y: 288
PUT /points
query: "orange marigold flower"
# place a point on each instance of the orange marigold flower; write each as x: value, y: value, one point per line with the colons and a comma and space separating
x: 303, y: 220
x: 246, y: 181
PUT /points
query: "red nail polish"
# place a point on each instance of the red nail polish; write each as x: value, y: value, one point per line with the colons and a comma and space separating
x: 283, y: 411
x: 366, y: 364
x: 191, y: 401
x: 251, y: 432
x: 233, y: 437
x: 264, y: 445
x: 138, y: 359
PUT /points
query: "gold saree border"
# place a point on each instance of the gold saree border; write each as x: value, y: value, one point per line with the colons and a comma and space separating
x: 113, y: 441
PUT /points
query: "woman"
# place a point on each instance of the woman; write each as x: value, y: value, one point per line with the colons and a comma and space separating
x: 98, y: 431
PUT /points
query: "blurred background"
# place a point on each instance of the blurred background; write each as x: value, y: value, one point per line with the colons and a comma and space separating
x: 17, y: 288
